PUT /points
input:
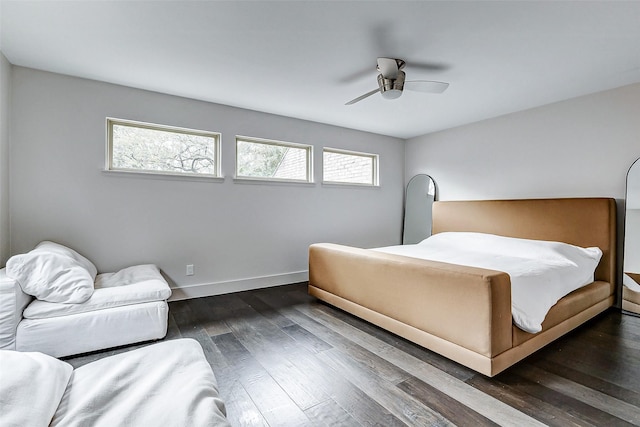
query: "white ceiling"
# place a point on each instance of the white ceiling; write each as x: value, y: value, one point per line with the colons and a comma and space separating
x: 301, y: 58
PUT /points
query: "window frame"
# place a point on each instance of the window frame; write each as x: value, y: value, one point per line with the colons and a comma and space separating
x: 217, y: 137
x: 375, y: 174
x: 250, y: 139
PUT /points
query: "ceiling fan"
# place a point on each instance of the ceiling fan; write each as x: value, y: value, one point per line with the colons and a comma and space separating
x: 391, y: 81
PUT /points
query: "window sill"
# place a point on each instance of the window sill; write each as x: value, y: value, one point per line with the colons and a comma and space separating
x: 162, y: 176
x: 261, y: 181
x: 350, y: 185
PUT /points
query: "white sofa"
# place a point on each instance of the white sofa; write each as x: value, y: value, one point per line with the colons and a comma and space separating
x: 164, y: 384
x: 119, y: 308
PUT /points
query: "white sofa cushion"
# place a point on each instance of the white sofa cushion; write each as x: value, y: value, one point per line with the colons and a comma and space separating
x: 53, y: 273
x: 31, y: 388
x: 12, y: 303
x: 132, y: 285
x: 94, y: 330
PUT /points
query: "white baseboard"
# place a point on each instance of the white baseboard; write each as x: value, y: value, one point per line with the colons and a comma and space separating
x: 219, y: 288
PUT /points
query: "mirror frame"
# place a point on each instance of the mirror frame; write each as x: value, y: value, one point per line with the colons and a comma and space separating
x: 626, y: 310
x: 408, y: 225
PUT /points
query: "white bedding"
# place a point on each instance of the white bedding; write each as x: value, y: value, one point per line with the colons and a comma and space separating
x: 31, y: 385
x: 165, y: 384
x: 541, y: 272
x: 630, y: 283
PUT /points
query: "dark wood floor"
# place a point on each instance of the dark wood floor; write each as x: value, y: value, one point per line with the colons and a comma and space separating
x: 282, y: 358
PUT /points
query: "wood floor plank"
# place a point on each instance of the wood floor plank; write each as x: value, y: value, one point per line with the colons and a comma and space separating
x: 178, y: 306
x: 377, y: 365
x: 590, y: 381
x: 212, y: 320
x: 173, y: 332
x: 185, y: 318
x: 578, y: 409
x: 307, y: 339
x: 272, y: 347
x: 265, y: 310
x: 405, y: 408
x: 330, y: 414
x: 358, y: 404
x: 449, y: 408
x: 241, y: 410
x: 354, y: 401
x: 442, y: 363
x: 272, y: 401
x: 256, y: 335
x: 619, y: 366
x: 266, y: 341
x: 486, y: 405
x: 367, y: 357
x: 602, y: 339
x: 619, y: 409
x: 286, y: 296
x: 535, y: 408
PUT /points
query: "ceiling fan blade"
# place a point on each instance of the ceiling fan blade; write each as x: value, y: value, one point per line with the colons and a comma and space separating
x: 426, y: 86
x: 357, y: 75
x: 426, y: 66
x: 388, y: 67
x: 361, y: 97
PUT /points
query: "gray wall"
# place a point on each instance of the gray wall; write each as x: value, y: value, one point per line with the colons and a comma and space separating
x: 237, y: 235
x: 5, y: 103
x: 581, y: 147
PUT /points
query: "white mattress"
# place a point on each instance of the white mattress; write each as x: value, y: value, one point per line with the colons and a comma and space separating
x: 541, y: 272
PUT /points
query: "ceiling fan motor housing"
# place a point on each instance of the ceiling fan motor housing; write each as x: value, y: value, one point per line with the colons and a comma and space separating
x: 391, y: 88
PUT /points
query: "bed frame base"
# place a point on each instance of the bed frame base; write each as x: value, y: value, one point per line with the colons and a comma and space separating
x: 485, y: 365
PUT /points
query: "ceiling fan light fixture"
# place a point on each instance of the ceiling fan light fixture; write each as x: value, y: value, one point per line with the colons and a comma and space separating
x: 391, y: 82
x: 391, y: 94
x: 391, y: 88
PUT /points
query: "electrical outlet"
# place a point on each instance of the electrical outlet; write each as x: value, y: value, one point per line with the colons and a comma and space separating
x: 189, y: 269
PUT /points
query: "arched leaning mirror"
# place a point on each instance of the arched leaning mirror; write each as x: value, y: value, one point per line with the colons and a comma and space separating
x: 421, y: 193
x: 631, y: 268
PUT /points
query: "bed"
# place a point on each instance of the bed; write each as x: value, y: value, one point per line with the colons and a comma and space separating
x: 168, y: 384
x: 462, y: 312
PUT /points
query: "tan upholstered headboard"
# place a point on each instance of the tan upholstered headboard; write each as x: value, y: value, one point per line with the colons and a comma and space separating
x: 582, y: 222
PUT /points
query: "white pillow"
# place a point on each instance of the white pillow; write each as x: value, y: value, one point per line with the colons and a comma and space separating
x: 47, y: 246
x: 32, y: 387
x: 53, y: 273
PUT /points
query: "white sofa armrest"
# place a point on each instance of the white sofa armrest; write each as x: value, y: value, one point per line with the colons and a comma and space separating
x: 12, y: 303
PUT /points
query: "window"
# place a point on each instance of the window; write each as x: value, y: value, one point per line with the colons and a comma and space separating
x: 349, y: 167
x: 272, y: 160
x: 143, y: 147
